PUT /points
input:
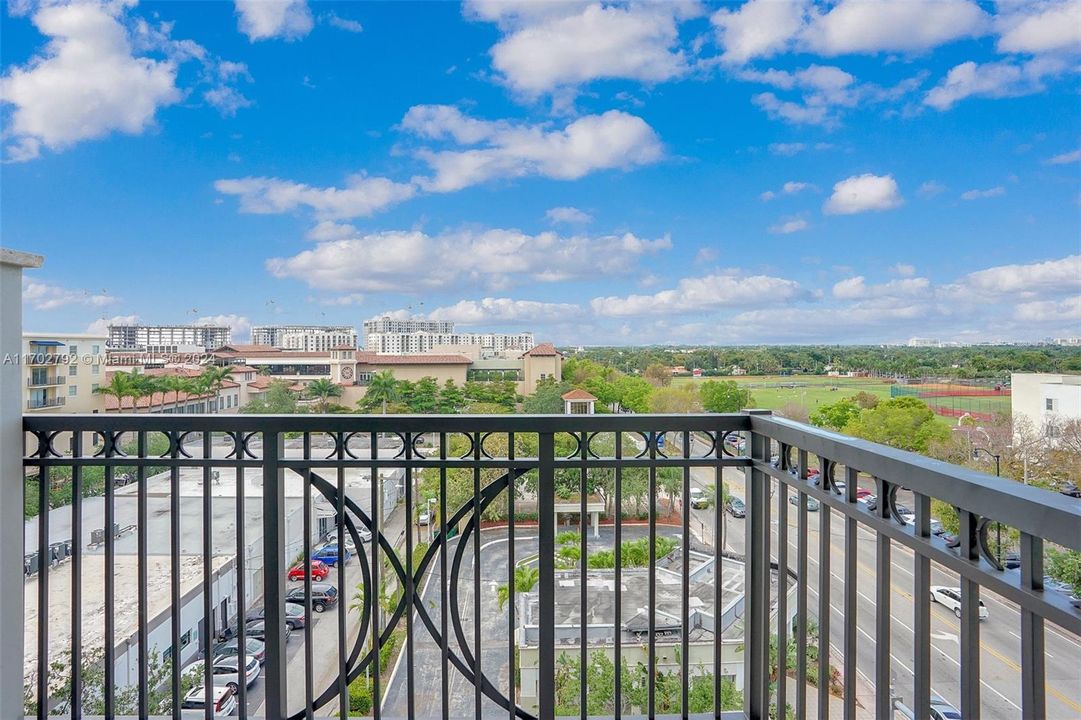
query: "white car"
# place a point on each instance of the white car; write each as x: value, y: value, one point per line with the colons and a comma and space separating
x: 698, y: 498
x: 226, y: 671
x: 424, y: 518
x: 942, y: 710
x: 224, y: 702
x: 951, y: 598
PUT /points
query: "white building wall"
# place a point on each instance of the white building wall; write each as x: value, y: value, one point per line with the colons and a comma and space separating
x: 1045, y: 399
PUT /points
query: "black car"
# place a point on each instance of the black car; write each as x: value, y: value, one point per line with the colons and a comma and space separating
x: 230, y: 648
x: 294, y: 615
x: 1070, y: 490
x: 323, y: 596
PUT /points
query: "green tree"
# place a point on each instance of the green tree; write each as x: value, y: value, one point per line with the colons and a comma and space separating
x: 724, y: 396
x: 176, y: 384
x: 280, y: 400
x: 633, y: 393
x: 213, y: 379
x: 451, y: 399
x: 836, y: 416
x: 382, y: 390
x: 903, y: 422
x: 547, y: 399
x: 657, y: 375
x: 322, y: 390
x: 121, y: 385
x: 525, y: 579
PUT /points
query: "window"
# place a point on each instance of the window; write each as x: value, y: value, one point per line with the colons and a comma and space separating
x: 1049, y: 404
x: 96, y: 349
x: 93, y: 387
x: 95, y: 369
x: 73, y: 370
x: 73, y: 349
x: 73, y: 390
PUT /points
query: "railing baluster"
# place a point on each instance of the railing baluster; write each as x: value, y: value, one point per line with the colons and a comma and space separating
x: 511, y: 480
x: 478, y: 440
x: 444, y: 647
x: 1033, y: 688
x: 77, y: 580
x: 782, y: 597
x: 824, y: 544
x: 757, y: 581
x: 802, y: 541
x: 174, y: 577
x: 718, y: 568
x: 309, y: 651
x: 651, y: 665
x: 273, y: 507
x: 43, y: 592
x: 546, y: 562
x: 241, y: 570
x: 685, y: 612
x: 970, y: 621
x: 207, y: 641
x: 374, y: 590
x: 109, y: 674
x: 921, y: 621
x: 408, y: 592
x: 850, y: 619
x: 142, y: 541
x: 618, y: 629
x: 343, y: 584
x: 883, y: 699
x: 583, y: 596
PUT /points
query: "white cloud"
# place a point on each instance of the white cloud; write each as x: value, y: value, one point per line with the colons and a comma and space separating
x: 904, y: 269
x: 226, y: 99
x: 863, y: 193
x: 85, y: 84
x: 101, y: 325
x: 980, y: 194
x: 856, y: 288
x: 362, y: 196
x: 344, y: 300
x: 330, y: 230
x: 789, y: 226
x: 45, y: 296
x: 563, y: 45
x: 334, y: 20
x: 1039, y: 27
x: 791, y: 187
x: 592, y: 142
x: 1065, y: 158
x: 492, y: 310
x: 711, y: 292
x: 875, y: 26
x: 793, y: 112
x: 1051, y: 276
x: 568, y: 216
x: 787, y: 149
x: 993, y: 80
x: 265, y: 19
x: 240, y: 325
x: 1053, y: 311
x: 931, y: 188
x: 759, y: 28
x: 388, y: 261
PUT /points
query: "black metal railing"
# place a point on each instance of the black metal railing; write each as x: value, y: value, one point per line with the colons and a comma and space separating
x: 489, y: 492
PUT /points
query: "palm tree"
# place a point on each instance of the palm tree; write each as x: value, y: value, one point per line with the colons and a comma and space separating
x: 215, y: 377
x: 119, y: 387
x: 176, y: 384
x: 141, y: 386
x: 382, y: 388
x: 525, y: 578
x: 323, y: 390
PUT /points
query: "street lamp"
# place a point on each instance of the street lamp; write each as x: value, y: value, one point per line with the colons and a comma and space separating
x: 976, y: 450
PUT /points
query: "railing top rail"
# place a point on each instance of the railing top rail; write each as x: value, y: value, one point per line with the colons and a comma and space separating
x: 388, y: 423
x: 1039, y: 512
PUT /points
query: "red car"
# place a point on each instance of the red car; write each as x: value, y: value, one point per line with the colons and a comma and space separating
x: 319, y: 571
x: 862, y: 493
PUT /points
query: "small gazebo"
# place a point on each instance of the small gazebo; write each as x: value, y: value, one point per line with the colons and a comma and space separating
x: 578, y: 402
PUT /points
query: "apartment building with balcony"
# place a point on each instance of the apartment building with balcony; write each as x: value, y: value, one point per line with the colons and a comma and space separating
x: 61, y: 371
x: 308, y: 338
x: 167, y: 339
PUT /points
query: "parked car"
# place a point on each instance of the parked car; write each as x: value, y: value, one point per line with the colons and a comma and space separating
x: 1011, y: 560
x: 937, y: 527
x: 812, y: 504
x: 329, y: 554
x: 1070, y: 489
x: 907, y: 514
x: 319, y: 571
x: 223, y: 698
x: 862, y: 493
x: 256, y: 649
x: 294, y: 615
x: 228, y: 671
x: 950, y: 539
x: 323, y: 596
x: 870, y: 501
x: 942, y: 710
x: 698, y: 498
x: 424, y: 518
x: 735, y: 507
x: 951, y: 598
x: 257, y: 629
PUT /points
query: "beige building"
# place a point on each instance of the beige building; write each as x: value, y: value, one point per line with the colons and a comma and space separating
x: 542, y: 362
x: 61, y: 371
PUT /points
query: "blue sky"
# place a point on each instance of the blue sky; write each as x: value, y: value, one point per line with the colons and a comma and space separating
x: 631, y: 173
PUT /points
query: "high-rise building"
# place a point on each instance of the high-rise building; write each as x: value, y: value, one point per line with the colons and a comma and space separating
x: 386, y: 324
x: 168, y: 338
x: 411, y: 343
x: 307, y: 338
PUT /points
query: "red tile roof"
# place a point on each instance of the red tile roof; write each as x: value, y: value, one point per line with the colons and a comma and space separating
x: 543, y: 350
x: 578, y: 394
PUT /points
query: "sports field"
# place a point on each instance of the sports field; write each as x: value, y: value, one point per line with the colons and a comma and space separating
x: 773, y: 392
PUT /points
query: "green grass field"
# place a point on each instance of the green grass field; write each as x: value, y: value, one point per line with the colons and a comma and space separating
x: 773, y: 392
